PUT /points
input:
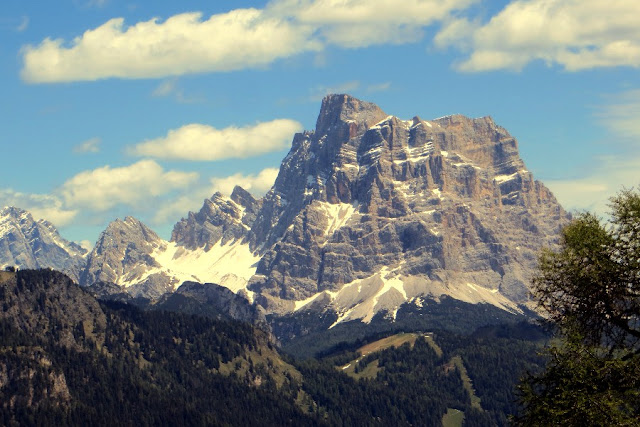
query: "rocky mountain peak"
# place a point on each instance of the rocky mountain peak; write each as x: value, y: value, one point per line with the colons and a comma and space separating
x: 381, y: 210
x: 368, y: 212
x: 27, y: 243
x: 220, y: 220
x: 122, y: 252
x: 346, y: 115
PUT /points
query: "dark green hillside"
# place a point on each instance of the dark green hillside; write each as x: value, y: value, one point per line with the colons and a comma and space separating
x: 306, y: 334
x: 64, y: 364
x: 67, y: 359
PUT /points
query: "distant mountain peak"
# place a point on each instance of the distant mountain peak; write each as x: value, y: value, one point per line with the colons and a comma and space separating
x: 27, y: 243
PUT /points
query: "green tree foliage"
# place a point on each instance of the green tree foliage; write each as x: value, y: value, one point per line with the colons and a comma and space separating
x: 590, y: 291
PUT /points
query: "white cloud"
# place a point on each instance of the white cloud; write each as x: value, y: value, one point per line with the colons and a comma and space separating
x: 169, y: 87
x: 41, y: 206
x: 592, y: 192
x: 238, y: 39
x: 577, y: 34
x: 619, y: 168
x: 184, y: 43
x: 257, y: 184
x: 86, y: 244
x: 362, y: 23
x: 97, y: 3
x: 200, y: 142
x: 166, y: 87
x: 379, y: 87
x: 91, y: 145
x: 135, y: 185
x: 24, y: 24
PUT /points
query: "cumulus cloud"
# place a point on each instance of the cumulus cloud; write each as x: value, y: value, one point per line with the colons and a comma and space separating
x: 91, y: 145
x: 362, y: 23
x: 257, y: 184
x: 41, y: 206
x: 576, y: 34
x: 239, y: 39
x: 200, y: 142
x: 182, y: 44
x: 135, y: 185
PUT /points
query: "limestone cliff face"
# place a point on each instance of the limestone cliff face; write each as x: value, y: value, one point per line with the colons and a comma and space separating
x: 373, y: 211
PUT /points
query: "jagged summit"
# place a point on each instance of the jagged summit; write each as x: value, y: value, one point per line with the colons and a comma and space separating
x: 337, y: 111
x: 220, y: 220
x: 27, y: 243
x: 370, y: 211
x: 123, y: 254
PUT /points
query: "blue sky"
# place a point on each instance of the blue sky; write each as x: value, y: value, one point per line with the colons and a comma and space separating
x: 114, y: 108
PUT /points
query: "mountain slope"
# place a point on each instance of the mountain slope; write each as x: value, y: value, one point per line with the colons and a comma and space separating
x: 27, y: 243
x: 131, y: 255
x: 66, y: 359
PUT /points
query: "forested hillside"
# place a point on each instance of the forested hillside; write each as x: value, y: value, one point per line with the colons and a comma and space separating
x: 68, y: 359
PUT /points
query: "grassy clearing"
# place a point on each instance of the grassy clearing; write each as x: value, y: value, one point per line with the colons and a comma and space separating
x: 372, y: 369
x: 468, y: 385
x: 453, y: 418
x: 392, y: 341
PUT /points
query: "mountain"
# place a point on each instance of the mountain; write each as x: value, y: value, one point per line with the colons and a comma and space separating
x: 370, y: 212
x: 370, y: 215
x: 27, y: 243
x: 132, y: 256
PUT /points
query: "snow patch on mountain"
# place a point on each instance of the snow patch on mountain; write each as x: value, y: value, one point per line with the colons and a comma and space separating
x: 230, y: 265
x: 337, y: 215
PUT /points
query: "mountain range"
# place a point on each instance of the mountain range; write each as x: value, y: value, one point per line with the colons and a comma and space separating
x: 369, y: 214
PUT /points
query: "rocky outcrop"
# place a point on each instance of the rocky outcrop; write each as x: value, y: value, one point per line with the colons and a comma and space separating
x: 373, y: 211
x: 221, y: 219
x: 125, y: 255
x: 27, y: 243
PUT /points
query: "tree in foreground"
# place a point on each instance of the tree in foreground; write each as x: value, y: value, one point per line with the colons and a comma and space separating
x: 590, y: 292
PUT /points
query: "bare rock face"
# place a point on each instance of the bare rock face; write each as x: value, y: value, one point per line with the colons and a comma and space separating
x: 124, y: 255
x: 220, y: 220
x: 375, y: 211
x: 30, y: 244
